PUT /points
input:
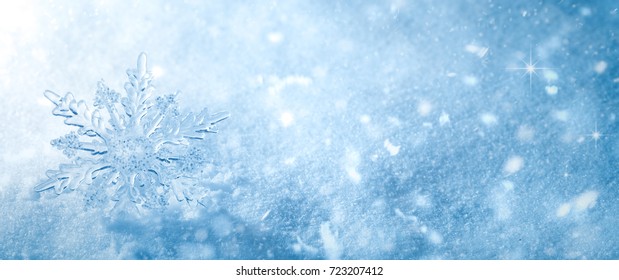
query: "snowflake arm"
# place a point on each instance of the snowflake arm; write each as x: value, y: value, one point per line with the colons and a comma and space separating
x: 71, y: 143
x: 71, y: 176
x: 77, y: 114
x: 196, y: 126
x: 139, y: 91
x: 107, y: 98
x: 191, y: 126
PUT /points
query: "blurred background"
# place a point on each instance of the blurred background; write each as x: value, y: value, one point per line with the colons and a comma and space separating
x: 386, y: 129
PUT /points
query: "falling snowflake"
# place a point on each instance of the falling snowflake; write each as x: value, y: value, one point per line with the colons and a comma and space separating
x: 135, y: 149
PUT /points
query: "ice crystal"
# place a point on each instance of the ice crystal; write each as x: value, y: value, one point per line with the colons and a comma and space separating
x: 130, y: 147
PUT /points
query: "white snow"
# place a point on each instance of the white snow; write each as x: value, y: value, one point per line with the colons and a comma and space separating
x: 507, y: 185
x: 330, y: 244
x: 265, y: 215
x: 435, y: 237
x: 586, y: 200
x: 513, y: 164
x: 489, y: 119
x: 443, y: 119
x: 393, y: 150
x: 319, y: 72
x: 525, y: 133
x: 374, y: 157
x: 501, y: 199
x: 476, y: 50
x: 551, y: 90
x: 290, y: 160
x: 585, y: 11
x: 341, y: 104
x: 279, y: 84
x: 301, y: 247
x: 365, y: 119
x: 550, y: 75
x: 561, y: 115
x: 201, y: 235
x: 19, y: 156
x: 503, y: 211
x: 470, y: 80
x: 275, y: 37
x: 158, y: 71
x: 600, y: 67
x: 394, y: 121
x: 564, y: 209
x: 18, y: 17
x: 424, y: 108
x: 578, y: 204
x: 423, y: 201
x: 286, y: 119
x: 353, y: 174
x: 423, y: 229
x: 351, y: 162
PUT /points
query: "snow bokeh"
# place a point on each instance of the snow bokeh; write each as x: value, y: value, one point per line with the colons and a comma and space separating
x: 359, y: 130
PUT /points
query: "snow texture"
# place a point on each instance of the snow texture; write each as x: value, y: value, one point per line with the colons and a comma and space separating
x: 388, y: 129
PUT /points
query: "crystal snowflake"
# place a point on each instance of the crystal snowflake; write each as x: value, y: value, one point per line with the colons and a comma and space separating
x: 135, y: 148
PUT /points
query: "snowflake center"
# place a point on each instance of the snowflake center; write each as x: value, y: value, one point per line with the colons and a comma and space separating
x: 131, y: 153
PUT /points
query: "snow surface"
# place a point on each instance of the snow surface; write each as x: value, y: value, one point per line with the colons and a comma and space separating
x: 386, y: 129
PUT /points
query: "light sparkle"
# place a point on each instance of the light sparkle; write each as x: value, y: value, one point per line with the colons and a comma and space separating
x: 596, y: 135
x: 530, y: 68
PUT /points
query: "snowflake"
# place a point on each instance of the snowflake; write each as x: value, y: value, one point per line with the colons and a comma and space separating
x: 135, y: 148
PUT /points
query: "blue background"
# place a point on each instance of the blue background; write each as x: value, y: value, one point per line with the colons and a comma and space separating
x: 358, y: 130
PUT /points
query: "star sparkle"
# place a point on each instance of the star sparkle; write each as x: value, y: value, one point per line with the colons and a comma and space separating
x: 596, y: 135
x: 530, y: 68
